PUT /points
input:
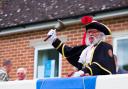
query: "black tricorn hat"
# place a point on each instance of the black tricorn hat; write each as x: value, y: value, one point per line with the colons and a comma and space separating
x: 99, y: 26
x: 89, y: 23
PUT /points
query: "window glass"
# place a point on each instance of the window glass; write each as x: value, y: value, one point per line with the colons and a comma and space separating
x: 122, y: 52
x: 47, y: 63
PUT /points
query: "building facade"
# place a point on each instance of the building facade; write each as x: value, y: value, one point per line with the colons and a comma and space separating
x: 28, y: 49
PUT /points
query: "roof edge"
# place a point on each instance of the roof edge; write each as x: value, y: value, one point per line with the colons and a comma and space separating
x: 67, y: 22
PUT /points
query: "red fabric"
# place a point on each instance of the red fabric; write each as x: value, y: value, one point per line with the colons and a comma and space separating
x: 86, y: 20
x: 70, y: 74
x: 84, y: 39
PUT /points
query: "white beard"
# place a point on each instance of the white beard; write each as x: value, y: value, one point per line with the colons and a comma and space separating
x: 100, y: 37
x: 93, y: 43
x: 85, y: 56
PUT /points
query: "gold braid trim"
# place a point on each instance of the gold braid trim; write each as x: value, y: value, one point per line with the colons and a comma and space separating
x: 63, y: 51
x: 102, y: 67
x: 90, y: 70
x: 94, y: 50
x: 59, y: 45
x: 107, y: 28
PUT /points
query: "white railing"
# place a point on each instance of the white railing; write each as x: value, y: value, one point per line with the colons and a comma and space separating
x: 25, y: 84
x: 119, y: 81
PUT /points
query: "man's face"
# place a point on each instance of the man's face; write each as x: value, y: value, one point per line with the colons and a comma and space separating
x: 8, y: 68
x: 21, y: 75
x: 92, y: 35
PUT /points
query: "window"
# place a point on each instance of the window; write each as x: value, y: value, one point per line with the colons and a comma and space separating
x: 47, y: 63
x: 120, y: 45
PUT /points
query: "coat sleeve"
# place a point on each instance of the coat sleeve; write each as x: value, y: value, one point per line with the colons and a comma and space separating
x: 70, y: 53
x: 103, y: 61
x: 3, y: 75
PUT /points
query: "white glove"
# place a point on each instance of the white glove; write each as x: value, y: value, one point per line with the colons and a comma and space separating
x: 52, y: 33
x: 78, y: 73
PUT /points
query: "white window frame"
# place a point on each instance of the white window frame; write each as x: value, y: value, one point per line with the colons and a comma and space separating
x: 44, y: 47
x: 39, y: 44
x: 115, y: 43
x: 118, y: 36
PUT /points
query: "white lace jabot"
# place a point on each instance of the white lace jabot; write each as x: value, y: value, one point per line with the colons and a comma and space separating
x: 86, y: 55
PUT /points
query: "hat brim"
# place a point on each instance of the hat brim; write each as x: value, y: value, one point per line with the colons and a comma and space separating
x: 99, y: 26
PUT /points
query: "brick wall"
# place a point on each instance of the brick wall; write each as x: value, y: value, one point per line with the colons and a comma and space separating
x: 17, y: 46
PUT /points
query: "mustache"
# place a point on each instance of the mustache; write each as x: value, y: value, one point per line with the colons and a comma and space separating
x: 92, y: 37
x: 95, y: 40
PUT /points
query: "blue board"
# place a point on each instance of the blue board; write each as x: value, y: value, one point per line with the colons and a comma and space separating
x: 67, y: 83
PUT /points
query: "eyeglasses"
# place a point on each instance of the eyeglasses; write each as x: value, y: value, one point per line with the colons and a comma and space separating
x: 93, y: 31
x: 20, y: 73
